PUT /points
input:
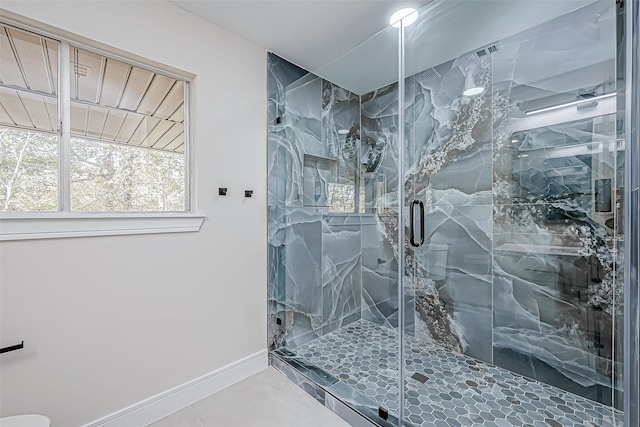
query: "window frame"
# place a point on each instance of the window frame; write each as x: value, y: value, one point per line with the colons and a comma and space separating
x: 22, y: 225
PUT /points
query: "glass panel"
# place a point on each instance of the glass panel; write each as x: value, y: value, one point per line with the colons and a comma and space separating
x: 28, y: 170
x: 512, y: 147
x: 333, y: 224
x: 628, y: 335
x: 111, y: 177
x: 139, y: 114
x: 28, y: 122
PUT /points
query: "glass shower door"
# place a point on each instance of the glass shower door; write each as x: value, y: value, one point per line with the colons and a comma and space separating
x: 448, y: 182
x: 333, y: 228
x: 513, y: 307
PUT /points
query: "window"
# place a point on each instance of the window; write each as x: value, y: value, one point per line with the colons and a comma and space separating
x: 29, y: 137
x: 88, y: 134
x: 85, y: 135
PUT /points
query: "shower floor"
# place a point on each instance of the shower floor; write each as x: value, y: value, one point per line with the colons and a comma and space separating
x: 446, y: 388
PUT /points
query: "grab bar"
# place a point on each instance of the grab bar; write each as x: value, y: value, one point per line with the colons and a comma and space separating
x: 412, y: 237
x: 12, y: 348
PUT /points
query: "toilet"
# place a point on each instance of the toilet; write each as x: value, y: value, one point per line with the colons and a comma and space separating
x: 29, y: 420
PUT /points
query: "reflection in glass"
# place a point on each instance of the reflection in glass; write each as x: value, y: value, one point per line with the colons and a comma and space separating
x: 28, y: 170
x: 119, y: 178
x: 128, y: 145
x: 29, y: 148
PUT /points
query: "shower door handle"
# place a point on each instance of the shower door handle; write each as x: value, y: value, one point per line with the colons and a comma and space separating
x: 412, y: 225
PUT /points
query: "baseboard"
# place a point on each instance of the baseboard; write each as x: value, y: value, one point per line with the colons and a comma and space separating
x: 170, y: 401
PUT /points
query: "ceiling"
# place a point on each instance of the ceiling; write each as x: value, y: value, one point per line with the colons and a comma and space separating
x: 320, y: 35
x: 308, y: 33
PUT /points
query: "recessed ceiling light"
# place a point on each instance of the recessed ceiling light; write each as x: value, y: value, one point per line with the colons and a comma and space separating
x: 407, y: 16
x: 343, y: 131
x: 473, y: 91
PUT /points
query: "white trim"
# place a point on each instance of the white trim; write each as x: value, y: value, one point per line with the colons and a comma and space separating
x: 188, y: 153
x: 64, y: 112
x: 170, y: 401
x: 21, y: 226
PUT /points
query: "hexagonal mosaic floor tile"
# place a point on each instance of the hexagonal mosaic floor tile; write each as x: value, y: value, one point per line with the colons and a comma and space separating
x: 444, y: 388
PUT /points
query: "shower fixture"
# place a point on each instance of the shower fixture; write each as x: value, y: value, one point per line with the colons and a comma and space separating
x: 471, y: 86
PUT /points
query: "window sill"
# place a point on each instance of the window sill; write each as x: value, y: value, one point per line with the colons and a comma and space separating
x: 56, y: 225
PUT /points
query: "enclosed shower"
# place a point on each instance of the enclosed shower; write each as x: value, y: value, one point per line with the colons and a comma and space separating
x: 469, y: 258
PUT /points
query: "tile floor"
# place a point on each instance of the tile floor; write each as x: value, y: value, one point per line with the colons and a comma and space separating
x: 266, y: 399
x: 446, y: 389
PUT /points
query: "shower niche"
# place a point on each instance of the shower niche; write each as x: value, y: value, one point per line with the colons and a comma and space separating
x: 318, y: 176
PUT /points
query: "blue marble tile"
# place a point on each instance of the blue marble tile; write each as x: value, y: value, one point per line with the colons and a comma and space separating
x: 554, y: 298
x: 448, y: 135
x: 379, y: 271
x: 341, y: 137
x: 341, y: 273
x: 379, y: 148
x: 314, y: 230
x: 556, y: 192
x: 453, y: 279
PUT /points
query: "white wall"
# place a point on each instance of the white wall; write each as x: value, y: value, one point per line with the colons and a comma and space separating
x: 110, y: 321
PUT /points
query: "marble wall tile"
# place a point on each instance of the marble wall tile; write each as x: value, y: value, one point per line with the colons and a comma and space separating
x: 341, y: 139
x: 295, y: 238
x: 448, y: 139
x: 556, y: 193
x: 315, y: 271
x: 341, y: 273
x: 562, y: 356
x: 295, y: 131
x: 380, y: 270
x: 379, y: 149
x: 554, y: 296
x: 341, y: 136
x: 448, y: 135
x: 280, y: 74
x: 453, y: 281
x: 303, y: 115
x: 314, y: 274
